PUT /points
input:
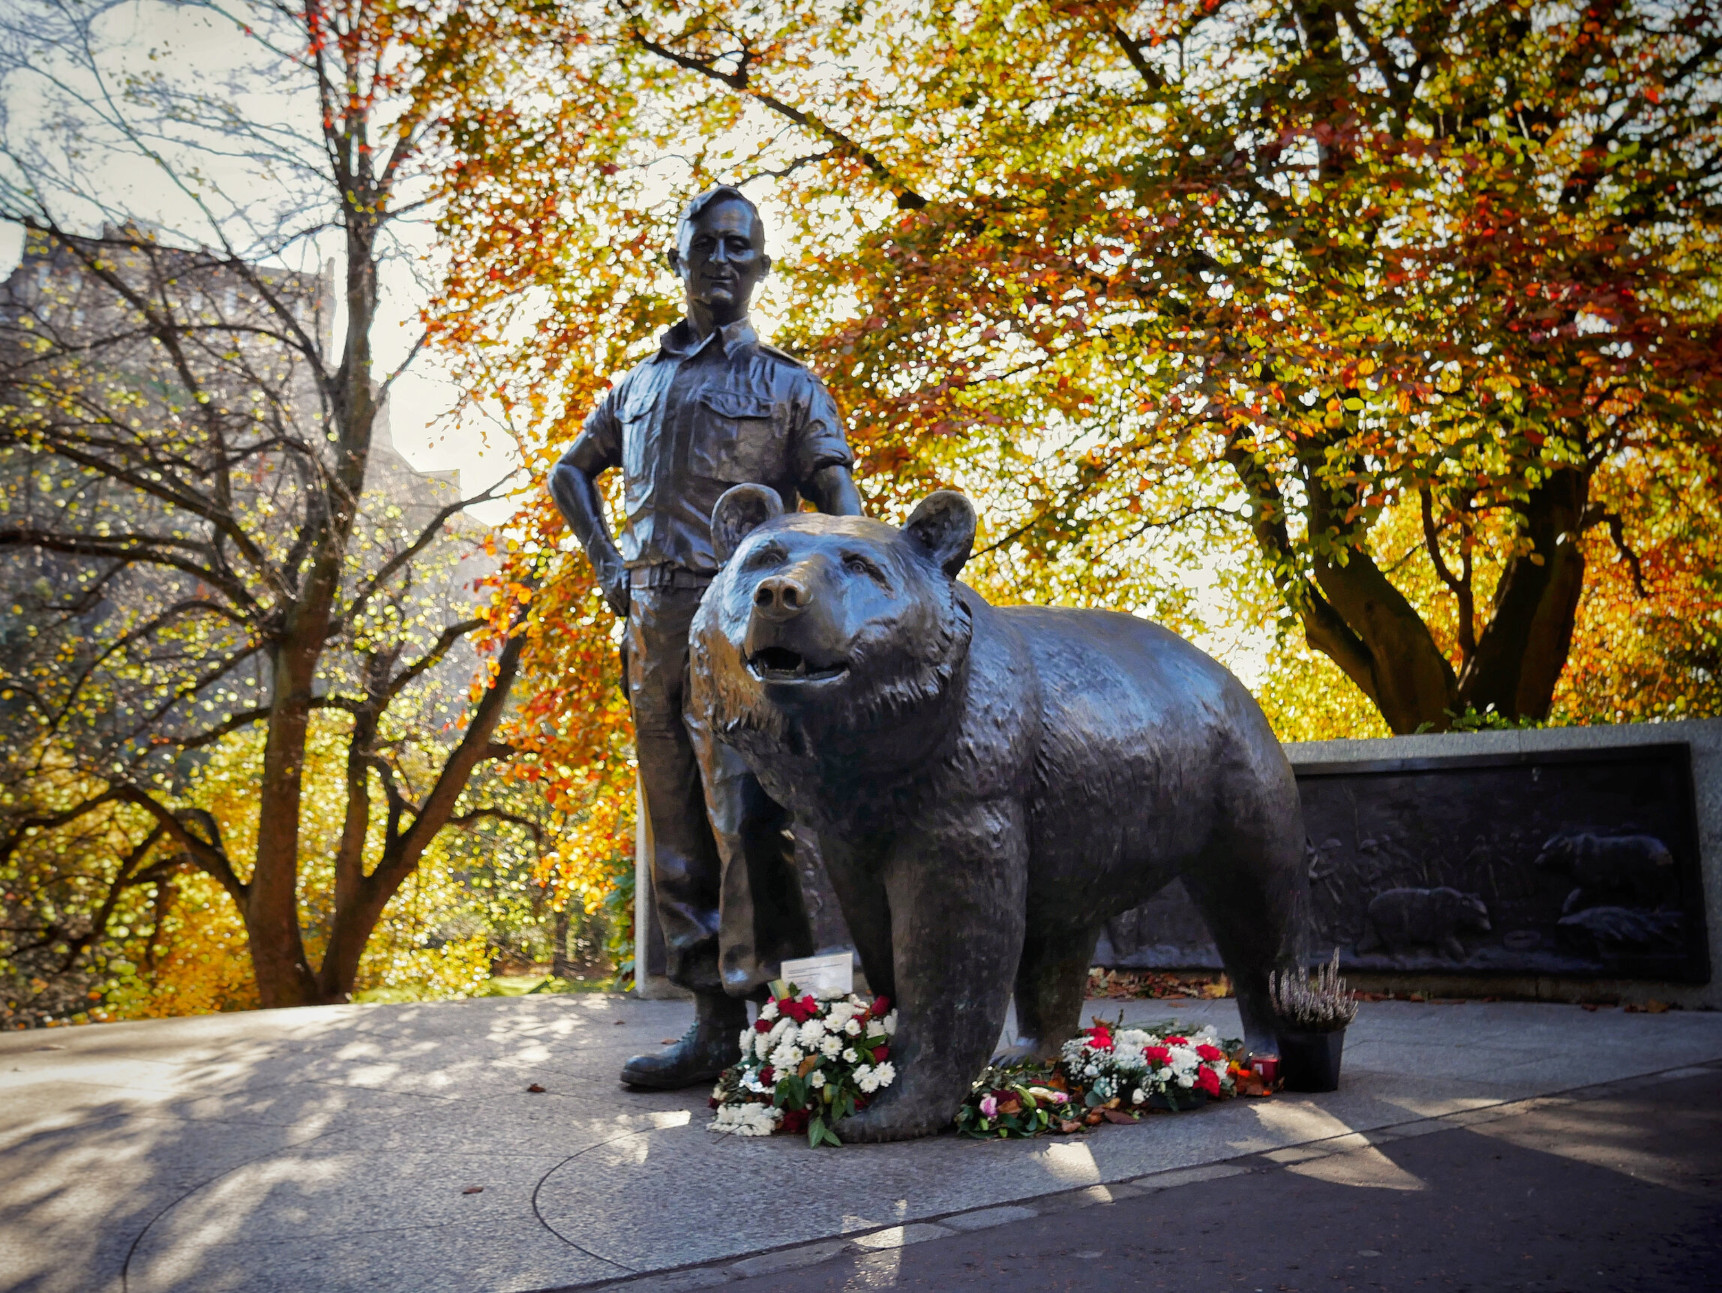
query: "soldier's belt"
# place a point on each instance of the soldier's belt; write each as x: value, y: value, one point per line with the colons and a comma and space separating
x: 667, y: 576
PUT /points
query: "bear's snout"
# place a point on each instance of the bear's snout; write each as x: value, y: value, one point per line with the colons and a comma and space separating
x: 781, y: 597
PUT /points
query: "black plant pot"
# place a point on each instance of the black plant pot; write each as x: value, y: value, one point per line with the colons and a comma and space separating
x: 1310, y: 1061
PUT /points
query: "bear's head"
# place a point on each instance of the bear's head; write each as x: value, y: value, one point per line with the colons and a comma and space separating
x: 829, y: 626
x: 1465, y: 910
x: 1557, y: 854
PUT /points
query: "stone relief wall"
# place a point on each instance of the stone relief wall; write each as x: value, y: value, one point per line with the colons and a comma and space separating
x: 1579, y: 864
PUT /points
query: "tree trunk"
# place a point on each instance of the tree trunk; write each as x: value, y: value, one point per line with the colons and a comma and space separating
x: 561, y: 965
x: 1521, y: 653
x: 272, y: 901
x: 1410, y: 681
x: 351, y: 931
x: 354, y: 922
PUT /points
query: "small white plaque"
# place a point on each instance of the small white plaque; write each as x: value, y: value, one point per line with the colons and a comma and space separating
x: 823, y: 976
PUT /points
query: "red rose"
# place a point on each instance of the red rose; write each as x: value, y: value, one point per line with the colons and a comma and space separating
x: 766, y: 1074
x: 1209, y: 1054
x: 1208, y: 1080
x: 1156, y: 1055
x: 762, y: 1025
x: 879, y: 1054
x: 795, y: 1120
x: 881, y: 1007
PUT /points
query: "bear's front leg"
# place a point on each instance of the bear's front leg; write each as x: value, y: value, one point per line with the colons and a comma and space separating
x: 956, y: 893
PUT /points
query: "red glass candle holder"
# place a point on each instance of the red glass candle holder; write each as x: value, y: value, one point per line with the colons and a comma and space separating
x: 1266, y: 1067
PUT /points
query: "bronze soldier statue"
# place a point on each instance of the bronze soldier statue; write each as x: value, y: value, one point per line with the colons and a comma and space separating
x: 713, y: 408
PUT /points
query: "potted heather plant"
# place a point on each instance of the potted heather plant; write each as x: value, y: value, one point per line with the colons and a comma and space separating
x: 1312, y: 1016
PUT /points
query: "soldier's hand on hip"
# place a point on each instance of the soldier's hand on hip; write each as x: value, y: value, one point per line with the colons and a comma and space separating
x: 616, y: 591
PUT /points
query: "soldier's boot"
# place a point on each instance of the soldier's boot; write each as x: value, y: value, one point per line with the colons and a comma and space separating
x: 708, y: 1048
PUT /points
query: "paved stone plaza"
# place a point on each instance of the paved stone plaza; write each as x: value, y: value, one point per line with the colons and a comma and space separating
x: 398, y: 1148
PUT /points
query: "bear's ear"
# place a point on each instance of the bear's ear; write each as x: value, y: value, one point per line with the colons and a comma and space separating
x: 740, y: 512
x: 943, y: 526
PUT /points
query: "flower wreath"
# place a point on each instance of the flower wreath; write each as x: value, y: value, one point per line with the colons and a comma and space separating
x: 1107, y: 1073
x: 806, y: 1063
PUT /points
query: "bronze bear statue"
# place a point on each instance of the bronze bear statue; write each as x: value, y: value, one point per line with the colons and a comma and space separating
x: 988, y: 785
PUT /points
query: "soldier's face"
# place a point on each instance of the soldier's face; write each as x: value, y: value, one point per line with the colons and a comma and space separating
x: 721, y: 259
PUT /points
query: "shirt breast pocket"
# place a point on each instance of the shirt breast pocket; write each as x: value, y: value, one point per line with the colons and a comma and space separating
x: 740, y: 438
x: 638, y: 435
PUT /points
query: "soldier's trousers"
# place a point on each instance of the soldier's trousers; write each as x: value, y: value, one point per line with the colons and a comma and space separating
x: 723, y: 860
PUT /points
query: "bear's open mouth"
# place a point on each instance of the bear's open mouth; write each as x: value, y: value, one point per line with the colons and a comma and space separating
x: 780, y: 664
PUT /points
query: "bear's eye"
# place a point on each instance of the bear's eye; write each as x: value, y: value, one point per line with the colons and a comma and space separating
x: 856, y: 564
x: 768, y: 554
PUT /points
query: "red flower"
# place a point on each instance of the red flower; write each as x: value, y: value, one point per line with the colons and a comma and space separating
x: 1100, y: 1038
x: 766, y: 1075
x: 795, y: 1120
x: 800, y: 1011
x: 881, y: 1007
x: 1208, y: 1080
x: 1156, y: 1055
x: 762, y: 1025
x: 879, y: 1054
x: 1177, y: 1041
x: 1209, y: 1053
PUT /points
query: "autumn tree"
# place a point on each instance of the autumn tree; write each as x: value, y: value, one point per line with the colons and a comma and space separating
x: 1415, y: 304
x: 210, y: 557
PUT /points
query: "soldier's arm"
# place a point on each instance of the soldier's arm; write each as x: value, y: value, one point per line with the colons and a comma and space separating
x: 832, y: 490
x: 822, y: 454
x: 574, y: 487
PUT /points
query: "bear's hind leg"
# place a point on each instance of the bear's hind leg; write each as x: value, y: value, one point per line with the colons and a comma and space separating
x: 1252, y: 894
x: 1051, y: 982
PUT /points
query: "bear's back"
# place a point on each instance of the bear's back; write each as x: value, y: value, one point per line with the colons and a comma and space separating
x: 1145, y: 743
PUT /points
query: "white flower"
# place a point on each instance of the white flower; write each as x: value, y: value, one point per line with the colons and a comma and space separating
x: 867, y: 1078
x: 762, y: 1044
x: 885, y: 1073
x: 816, y: 1079
x: 891, y: 1024
x: 1186, y: 1080
x: 852, y: 1028
x: 850, y: 1055
x: 811, y: 1032
x: 746, y: 1039
x: 841, y: 1012
x: 746, y: 1119
x: 829, y: 1046
x: 1133, y: 1039
x: 717, y: 1091
x: 768, y: 1010
x: 786, y: 1057
x: 1138, y: 1096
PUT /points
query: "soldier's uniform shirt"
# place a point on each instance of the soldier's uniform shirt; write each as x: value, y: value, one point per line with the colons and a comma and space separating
x: 696, y: 418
